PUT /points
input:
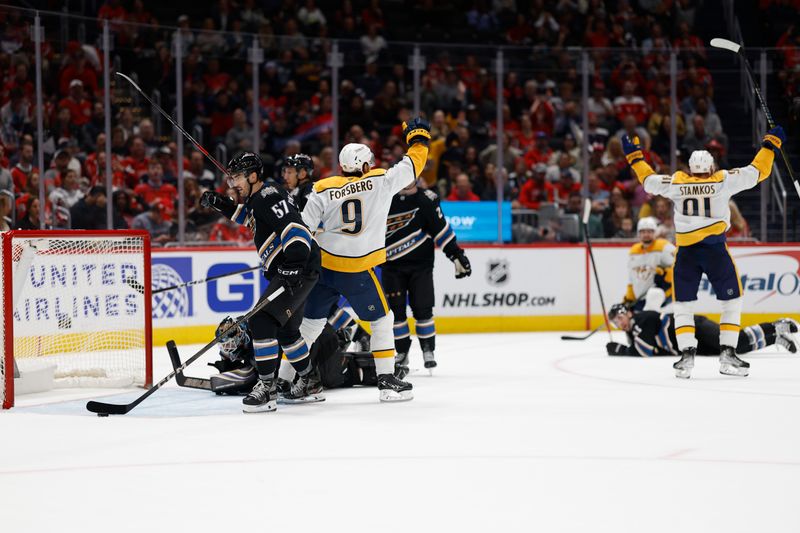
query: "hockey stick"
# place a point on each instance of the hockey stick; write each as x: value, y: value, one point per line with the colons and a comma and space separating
x: 175, y: 124
x: 587, y: 209
x: 581, y: 338
x: 725, y: 44
x: 105, y: 409
x: 138, y: 287
x: 180, y: 378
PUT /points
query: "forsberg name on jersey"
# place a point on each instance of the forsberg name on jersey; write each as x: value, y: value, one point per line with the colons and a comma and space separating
x: 350, y: 188
x: 695, y: 190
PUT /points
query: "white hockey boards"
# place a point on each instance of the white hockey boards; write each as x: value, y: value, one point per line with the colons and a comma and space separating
x: 71, y: 315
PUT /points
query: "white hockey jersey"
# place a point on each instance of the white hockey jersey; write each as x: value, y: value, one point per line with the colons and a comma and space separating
x: 349, y: 213
x: 701, y: 203
x: 644, y: 262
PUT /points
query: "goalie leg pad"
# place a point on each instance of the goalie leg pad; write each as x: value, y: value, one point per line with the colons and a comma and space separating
x: 239, y: 381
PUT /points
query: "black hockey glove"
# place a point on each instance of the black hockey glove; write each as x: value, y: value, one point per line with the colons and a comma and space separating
x: 615, y: 348
x: 289, y: 276
x: 417, y: 131
x: 214, y: 200
x: 463, y: 268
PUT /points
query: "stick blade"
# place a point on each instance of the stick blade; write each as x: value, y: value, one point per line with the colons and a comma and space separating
x: 718, y: 42
x: 587, y: 210
x: 106, y: 408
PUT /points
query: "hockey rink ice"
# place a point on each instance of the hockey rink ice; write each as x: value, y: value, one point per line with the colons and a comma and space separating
x: 514, y: 432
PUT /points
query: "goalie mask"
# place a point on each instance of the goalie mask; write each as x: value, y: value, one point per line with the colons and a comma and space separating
x: 232, y: 337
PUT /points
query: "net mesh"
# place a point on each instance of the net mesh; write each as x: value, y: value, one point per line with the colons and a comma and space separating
x: 76, y: 307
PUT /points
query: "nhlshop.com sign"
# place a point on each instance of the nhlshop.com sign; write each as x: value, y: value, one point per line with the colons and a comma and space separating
x: 512, y: 282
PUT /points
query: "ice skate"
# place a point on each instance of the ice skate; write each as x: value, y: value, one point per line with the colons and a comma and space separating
x: 731, y: 365
x: 262, y: 399
x: 392, y: 389
x: 785, y: 328
x: 683, y: 367
x: 430, y: 362
x: 401, y: 365
x: 305, y: 389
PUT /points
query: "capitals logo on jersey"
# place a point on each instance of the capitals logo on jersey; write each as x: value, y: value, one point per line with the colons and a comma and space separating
x: 398, y: 221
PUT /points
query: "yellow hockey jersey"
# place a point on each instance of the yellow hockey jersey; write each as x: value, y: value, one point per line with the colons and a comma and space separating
x: 348, y: 214
x: 644, y: 262
x: 701, y: 203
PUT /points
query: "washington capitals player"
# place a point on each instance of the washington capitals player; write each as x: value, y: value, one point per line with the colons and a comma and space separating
x: 348, y: 214
x: 651, y: 333
x: 702, y: 217
x: 415, y: 225
x: 289, y: 258
x: 649, y: 269
x: 297, y: 173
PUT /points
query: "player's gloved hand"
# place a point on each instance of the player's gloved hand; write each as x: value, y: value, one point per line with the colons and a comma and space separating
x: 632, y: 149
x: 615, y: 348
x: 417, y: 131
x: 213, y: 200
x: 289, y: 276
x: 463, y: 268
x: 774, y: 138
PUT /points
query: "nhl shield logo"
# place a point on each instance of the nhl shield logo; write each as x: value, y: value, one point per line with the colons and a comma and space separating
x: 497, y: 273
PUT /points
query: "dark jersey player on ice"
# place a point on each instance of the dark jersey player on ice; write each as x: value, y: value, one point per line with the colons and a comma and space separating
x: 290, y: 258
x: 415, y: 225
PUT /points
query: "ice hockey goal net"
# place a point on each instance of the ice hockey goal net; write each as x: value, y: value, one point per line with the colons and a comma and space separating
x: 76, y: 304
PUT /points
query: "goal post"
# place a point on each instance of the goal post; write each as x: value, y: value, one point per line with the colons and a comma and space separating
x: 71, y: 316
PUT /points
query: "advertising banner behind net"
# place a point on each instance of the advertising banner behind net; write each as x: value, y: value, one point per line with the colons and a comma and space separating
x: 511, y: 288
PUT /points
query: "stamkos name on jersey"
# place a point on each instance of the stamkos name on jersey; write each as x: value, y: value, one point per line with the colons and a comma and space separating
x: 694, y: 190
x: 350, y: 188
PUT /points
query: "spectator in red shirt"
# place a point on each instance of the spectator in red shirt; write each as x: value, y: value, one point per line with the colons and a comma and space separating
x: 137, y: 163
x: 541, y: 151
x: 78, y: 69
x: 536, y: 190
x: 80, y: 108
x: 462, y: 190
x: 22, y: 171
x: 154, y: 188
x: 215, y: 79
x: 565, y: 186
x: 629, y: 103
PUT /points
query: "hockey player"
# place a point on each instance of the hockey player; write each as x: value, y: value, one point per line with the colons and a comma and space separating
x: 297, y: 172
x: 415, y: 225
x: 702, y: 217
x: 349, y: 213
x: 290, y: 259
x: 236, y: 365
x: 649, y: 269
x: 651, y: 333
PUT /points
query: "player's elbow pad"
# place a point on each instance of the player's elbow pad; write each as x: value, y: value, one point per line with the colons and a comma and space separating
x: 418, y: 153
x: 763, y: 163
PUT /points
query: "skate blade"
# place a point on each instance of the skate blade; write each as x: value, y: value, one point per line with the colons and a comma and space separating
x: 265, y: 408
x: 683, y: 374
x: 311, y: 398
x: 394, y: 396
x: 729, y: 370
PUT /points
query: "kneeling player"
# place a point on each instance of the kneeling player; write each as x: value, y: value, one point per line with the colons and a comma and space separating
x: 649, y: 270
x: 651, y: 333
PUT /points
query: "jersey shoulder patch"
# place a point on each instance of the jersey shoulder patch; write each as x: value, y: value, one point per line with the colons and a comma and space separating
x: 268, y: 190
x: 432, y: 196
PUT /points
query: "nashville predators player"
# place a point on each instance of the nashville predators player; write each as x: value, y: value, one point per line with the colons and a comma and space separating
x: 649, y: 270
x: 349, y: 215
x: 702, y: 217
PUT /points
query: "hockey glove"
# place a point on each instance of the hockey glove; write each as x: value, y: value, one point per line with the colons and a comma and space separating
x: 214, y: 200
x: 289, y: 276
x: 632, y: 149
x: 417, y: 131
x: 615, y: 348
x: 774, y: 138
x: 463, y: 268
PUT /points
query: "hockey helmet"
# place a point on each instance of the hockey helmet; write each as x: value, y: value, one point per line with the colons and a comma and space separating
x: 245, y: 163
x: 647, y: 223
x: 231, y: 336
x: 299, y: 161
x: 354, y: 155
x: 701, y: 162
x: 617, y: 310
